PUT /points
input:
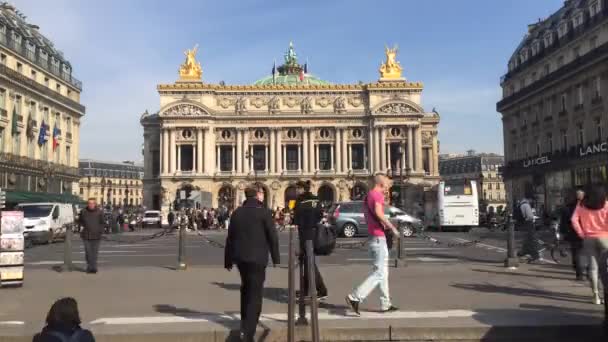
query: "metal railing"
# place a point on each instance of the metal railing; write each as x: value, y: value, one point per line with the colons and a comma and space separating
x: 54, y: 69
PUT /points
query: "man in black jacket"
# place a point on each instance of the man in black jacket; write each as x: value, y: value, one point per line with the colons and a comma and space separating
x: 251, y: 237
x: 306, y: 216
x: 91, y: 221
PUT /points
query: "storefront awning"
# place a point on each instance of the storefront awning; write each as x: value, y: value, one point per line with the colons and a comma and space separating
x: 16, y: 197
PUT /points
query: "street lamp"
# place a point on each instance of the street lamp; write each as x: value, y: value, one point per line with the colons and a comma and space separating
x: 249, y: 156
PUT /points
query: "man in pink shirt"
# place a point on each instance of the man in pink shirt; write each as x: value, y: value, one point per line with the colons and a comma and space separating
x: 377, y: 225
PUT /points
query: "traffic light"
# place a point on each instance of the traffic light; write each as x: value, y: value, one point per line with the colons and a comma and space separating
x: 2, y: 199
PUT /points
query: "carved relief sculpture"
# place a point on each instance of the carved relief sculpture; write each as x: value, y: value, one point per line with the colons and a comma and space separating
x: 395, y: 108
x: 355, y: 101
x: 339, y: 105
x: 323, y: 102
x: 239, y: 106
x: 391, y: 69
x: 191, y: 69
x: 258, y: 102
x: 184, y: 110
x: 225, y: 102
x: 273, y: 105
x: 427, y: 138
x: 306, y: 105
x: 291, y: 102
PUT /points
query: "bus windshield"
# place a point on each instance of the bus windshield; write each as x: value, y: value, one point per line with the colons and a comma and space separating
x: 458, y: 189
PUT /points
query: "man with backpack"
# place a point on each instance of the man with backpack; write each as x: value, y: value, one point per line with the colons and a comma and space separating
x: 307, y: 214
x: 524, y: 217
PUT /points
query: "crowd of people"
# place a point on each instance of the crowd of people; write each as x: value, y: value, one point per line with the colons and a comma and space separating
x: 202, y: 219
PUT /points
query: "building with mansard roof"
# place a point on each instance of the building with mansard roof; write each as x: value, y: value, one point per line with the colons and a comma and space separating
x: 215, y: 139
x: 40, y: 113
x: 555, y: 103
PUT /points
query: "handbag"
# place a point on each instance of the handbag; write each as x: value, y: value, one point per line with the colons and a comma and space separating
x: 388, y: 235
x: 324, y: 239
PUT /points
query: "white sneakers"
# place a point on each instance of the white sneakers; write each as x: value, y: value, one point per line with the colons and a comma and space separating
x: 597, y: 300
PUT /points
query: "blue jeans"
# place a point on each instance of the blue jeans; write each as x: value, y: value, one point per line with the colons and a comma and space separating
x: 379, y: 275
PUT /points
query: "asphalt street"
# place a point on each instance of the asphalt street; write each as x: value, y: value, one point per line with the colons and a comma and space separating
x: 479, y: 245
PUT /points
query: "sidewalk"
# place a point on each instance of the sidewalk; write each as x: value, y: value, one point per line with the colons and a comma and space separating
x: 438, y: 302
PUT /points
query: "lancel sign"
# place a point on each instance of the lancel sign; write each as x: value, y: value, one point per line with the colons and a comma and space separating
x: 593, y: 149
x: 537, y: 161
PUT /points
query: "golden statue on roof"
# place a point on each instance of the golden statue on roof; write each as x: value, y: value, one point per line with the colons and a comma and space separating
x: 191, y: 69
x: 391, y: 69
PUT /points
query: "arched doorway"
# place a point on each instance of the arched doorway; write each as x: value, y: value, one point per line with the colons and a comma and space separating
x: 290, y: 194
x: 226, y: 197
x: 326, y: 195
x: 358, y: 191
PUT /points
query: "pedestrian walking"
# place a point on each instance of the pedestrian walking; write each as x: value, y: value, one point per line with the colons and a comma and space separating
x: 251, y: 237
x: 378, y: 227
x: 590, y: 220
x: 63, y: 324
x: 524, y: 216
x: 91, y: 221
x: 307, y: 215
x: 171, y: 218
x: 576, y: 243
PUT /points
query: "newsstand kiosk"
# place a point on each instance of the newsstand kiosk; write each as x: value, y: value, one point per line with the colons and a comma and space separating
x: 11, y: 248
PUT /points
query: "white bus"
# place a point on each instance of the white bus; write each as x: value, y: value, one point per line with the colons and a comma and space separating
x: 458, y: 204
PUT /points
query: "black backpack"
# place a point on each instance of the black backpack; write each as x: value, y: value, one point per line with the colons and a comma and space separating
x: 324, y: 239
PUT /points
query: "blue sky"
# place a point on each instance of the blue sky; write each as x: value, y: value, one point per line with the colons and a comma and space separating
x: 121, y: 49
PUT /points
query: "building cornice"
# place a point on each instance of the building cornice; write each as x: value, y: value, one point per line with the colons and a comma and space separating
x: 187, y: 86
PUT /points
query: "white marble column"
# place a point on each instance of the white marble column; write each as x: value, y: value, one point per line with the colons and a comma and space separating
x: 349, y: 159
x: 165, y: 147
x: 273, y: 151
x: 239, y: 151
x: 377, y: 167
x: 305, y: 148
x: 369, y: 149
x: 199, y: 151
x: 382, y: 149
x: 280, y: 153
x: 338, y: 149
x: 365, y: 157
x: 419, y: 151
x: 316, y: 157
x: 172, y: 148
x: 246, y: 147
x: 429, y: 158
x: 388, y: 156
x: 194, y: 162
x: 410, y: 148
x: 234, y: 157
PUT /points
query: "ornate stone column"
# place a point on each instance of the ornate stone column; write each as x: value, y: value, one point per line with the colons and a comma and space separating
x: 377, y: 152
x: 299, y: 157
x: 338, y: 150
x: 345, y: 163
x: 194, y: 165
x: 246, y: 147
x: 305, y: 146
x: 388, y: 157
x: 311, y: 151
x: 316, y: 157
x: 218, y: 165
x: 382, y: 149
x: 369, y: 159
x: 273, y: 133
x: 410, y: 148
x: 419, y: 151
x: 239, y: 150
x: 179, y: 157
x: 435, y: 153
x: 173, y: 149
x: 234, y: 156
x: 209, y: 143
x: 199, y: 151
x: 429, y: 158
x: 280, y: 154
x: 266, y: 158
x: 165, y: 150
x: 331, y: 157
x: 284, y: 157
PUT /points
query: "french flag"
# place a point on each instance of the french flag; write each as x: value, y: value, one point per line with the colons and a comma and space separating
x: 55, y: 137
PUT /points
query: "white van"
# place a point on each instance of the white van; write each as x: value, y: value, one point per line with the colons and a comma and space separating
x: 45, y: 222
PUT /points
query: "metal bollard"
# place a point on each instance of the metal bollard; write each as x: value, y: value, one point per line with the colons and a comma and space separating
x: 181, y: 257
x: 291, y: 304
x: 301, y: 303
x: 400, y: 261
x: 67, y: 249
x: 512, y: 262
x: 314, y: 305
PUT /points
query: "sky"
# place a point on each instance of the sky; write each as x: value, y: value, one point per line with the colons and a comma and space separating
x: 121, y: 49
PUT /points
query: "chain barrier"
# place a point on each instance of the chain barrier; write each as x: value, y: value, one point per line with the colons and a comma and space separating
x: 162, y: 233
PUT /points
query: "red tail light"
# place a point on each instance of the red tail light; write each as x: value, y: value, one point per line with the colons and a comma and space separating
x: 337, y: 212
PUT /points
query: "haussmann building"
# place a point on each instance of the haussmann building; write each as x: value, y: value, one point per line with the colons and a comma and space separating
x: 554, y: 105
x: 215, y: 139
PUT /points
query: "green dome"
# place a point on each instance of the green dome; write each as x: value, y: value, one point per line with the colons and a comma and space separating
x: 291, y: 79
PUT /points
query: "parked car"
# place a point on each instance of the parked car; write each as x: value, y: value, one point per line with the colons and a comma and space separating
x: 152, y: 218
x: 45, y: 222
x: 348, y: 219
